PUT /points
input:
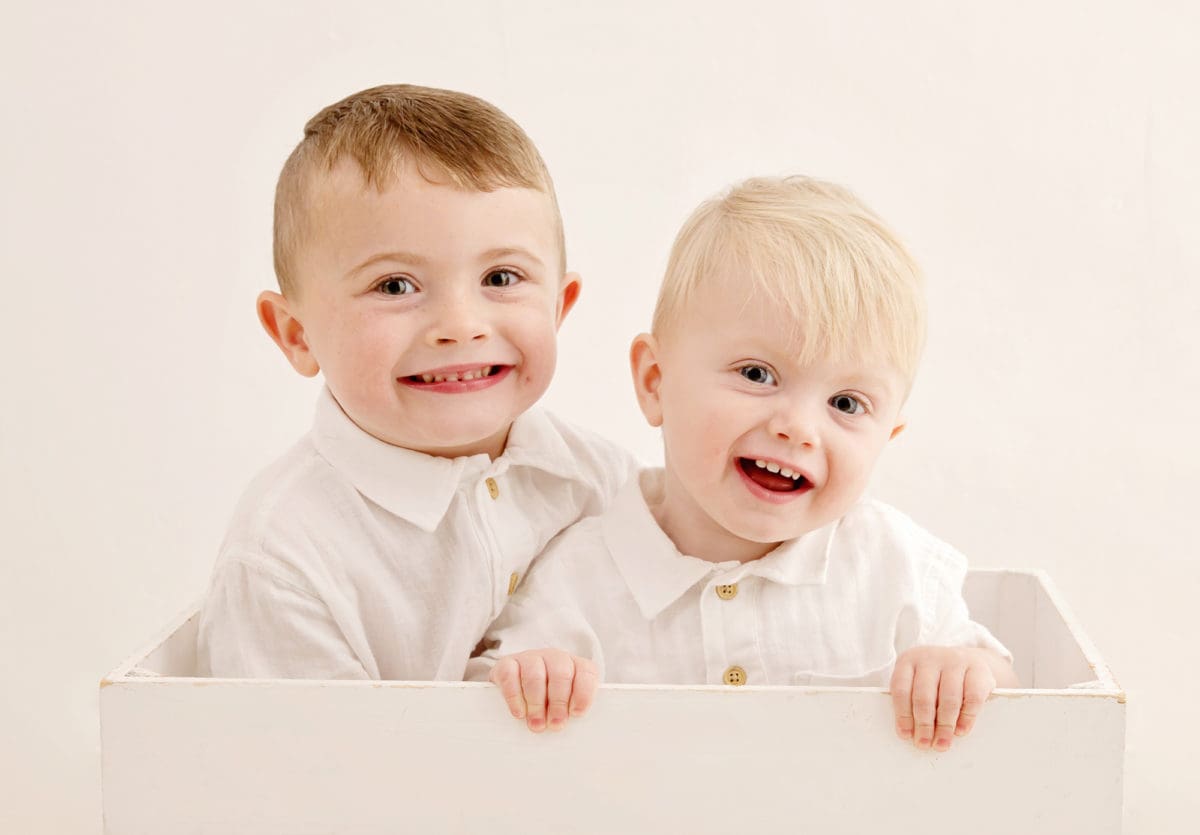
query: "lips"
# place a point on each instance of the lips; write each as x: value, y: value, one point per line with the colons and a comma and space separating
x: 457, y: 379
x: 773, y: 478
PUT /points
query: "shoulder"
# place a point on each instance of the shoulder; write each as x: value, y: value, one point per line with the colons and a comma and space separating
x: 595, y: 466
x: 590, y: 448
x: 288, y: 515
x: 882, y: 529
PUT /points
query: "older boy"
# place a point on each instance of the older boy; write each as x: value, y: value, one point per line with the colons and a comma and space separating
x: 784, y: 344
x: 419, y: 252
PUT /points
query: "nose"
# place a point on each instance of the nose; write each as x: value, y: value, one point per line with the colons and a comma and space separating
x: 459, y: 320
x: 796, y: 424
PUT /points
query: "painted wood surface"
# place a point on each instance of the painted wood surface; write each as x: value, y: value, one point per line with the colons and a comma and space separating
x: 186, y: 755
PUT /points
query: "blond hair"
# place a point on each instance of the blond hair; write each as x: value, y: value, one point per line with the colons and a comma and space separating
x: 468, y: 142
x: 814, y: 249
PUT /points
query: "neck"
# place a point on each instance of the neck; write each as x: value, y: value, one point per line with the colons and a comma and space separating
x: 697, y: 534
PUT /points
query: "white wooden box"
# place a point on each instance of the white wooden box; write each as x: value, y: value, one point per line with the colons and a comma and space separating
x: 197, y: 755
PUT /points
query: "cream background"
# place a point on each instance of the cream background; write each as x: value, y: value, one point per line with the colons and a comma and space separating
x: 1040, y: 159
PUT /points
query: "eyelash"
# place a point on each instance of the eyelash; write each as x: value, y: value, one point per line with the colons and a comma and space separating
x: 764, y: 369
x: 861, y: 406
x: 395, y: 279
x: 861, y: 402
x: 516, y: 278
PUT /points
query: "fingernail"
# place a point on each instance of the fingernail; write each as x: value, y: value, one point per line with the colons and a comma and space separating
x: 923, y: 742
x: 942, y: 745
x: 904, y: 733
x: 537, y: 724
x: 556, y: 724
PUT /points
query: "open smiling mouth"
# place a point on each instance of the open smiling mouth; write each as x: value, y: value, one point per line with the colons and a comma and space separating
x: 483, y: 372
x: 771, y: 476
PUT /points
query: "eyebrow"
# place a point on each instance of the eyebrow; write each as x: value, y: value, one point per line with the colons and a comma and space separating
x: 505, y: 251
x: 400, y: 257
x: 879, y: 382
x: 420, y: 260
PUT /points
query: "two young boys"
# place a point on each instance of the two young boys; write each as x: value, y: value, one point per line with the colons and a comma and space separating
x: 420, y: 257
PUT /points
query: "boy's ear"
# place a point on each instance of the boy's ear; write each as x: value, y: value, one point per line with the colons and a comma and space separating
x: 281, y: 324
x: 647, y: 376
x: 568, y: 294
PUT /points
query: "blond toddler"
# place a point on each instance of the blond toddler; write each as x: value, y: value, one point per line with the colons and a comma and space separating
x: 783, y: 348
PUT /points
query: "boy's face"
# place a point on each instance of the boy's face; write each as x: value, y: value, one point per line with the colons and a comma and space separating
x: 432, y: 311
x: 729, y: 394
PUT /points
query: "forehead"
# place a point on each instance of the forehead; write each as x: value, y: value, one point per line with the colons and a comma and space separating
x: 727, y: 315
x: 412, y: 211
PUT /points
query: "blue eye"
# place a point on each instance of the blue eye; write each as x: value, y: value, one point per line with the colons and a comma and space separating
x: 847, y: 404
x: 759, y: 374
x: 501, y: 278
x: 396, y: 285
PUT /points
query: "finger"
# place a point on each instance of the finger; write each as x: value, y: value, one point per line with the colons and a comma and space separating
x: 507, y: 676
x: 533, y: 684
x: 976, y: 688
x: 901, y: 689
x: 924, y: 703
x: 587, y: 679
x: 560, y: 675
x: 950, y: 696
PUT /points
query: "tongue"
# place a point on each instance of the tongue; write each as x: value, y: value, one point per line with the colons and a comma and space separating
x: 768, y: 480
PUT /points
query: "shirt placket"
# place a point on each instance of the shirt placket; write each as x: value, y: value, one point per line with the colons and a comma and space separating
x: 731, y: 650
x: 493, y: 498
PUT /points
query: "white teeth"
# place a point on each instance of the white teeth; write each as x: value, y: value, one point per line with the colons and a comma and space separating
x: 475, y: 374
x: 772, y: 467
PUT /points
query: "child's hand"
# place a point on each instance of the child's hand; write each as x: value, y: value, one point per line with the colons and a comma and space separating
x: 543, y: 686
x: 938, y: 692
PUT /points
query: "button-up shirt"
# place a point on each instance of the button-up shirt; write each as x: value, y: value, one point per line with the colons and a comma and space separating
x: 833, y: 607
x: 353, y: 558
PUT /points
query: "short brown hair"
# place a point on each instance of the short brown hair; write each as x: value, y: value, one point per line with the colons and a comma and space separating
x: 470, y: 142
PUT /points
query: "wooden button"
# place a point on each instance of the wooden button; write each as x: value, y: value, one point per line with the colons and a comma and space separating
x: 493, y: 488
x: 512, y: 582
x: 735, y: 676
x: 727, y: 592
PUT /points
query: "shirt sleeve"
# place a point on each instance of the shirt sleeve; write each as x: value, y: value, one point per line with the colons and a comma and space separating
x: 946, y: 620
x: 542, y: 614
x: 255, y: 624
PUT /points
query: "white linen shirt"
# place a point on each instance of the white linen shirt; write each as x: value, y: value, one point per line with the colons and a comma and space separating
x: 833, y: 607
x: 353, y: 558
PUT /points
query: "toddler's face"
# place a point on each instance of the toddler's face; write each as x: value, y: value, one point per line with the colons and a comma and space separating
x: 760, y: 448
x: 432, y: 311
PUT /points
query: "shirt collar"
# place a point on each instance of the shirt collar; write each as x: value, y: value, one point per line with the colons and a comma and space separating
x: 412, y: 485
x: 657, y: 574
x: 535, y: 441
x: 418, y: 487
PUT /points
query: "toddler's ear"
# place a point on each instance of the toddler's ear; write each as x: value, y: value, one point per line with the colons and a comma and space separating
x: 647, y: 376
x: 568, y: 294
x: 275, y: 313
